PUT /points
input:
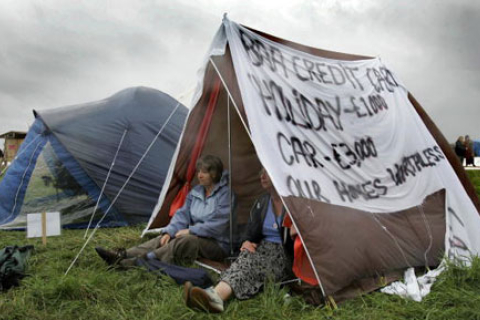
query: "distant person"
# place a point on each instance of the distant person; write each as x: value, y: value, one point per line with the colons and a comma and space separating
x: 469, y: 155
x: 1, y: 158
x: 460, y: 149
x: 198, y: 229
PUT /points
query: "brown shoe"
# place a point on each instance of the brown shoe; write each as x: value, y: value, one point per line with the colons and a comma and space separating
x: 111, y: 257
x: 187, y: 287
x: 205, y: 299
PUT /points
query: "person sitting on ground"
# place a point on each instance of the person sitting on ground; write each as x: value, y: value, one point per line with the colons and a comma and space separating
x: 198, y: 229
x: 265, y: 253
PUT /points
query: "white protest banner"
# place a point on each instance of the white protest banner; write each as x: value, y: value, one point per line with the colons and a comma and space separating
x: 343, y: 132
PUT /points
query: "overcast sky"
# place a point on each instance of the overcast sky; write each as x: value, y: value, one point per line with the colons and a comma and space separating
x: 55, y: 53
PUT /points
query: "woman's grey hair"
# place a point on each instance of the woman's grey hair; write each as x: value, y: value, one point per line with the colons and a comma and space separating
x: 211, y: 164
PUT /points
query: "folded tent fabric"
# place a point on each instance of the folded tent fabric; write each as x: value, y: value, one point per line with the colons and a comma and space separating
x: 13, y: 264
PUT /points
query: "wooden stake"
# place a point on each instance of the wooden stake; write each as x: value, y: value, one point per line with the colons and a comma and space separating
x: 44, y: 228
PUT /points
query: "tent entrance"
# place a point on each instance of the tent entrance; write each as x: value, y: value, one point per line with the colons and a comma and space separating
x: 51, y: 188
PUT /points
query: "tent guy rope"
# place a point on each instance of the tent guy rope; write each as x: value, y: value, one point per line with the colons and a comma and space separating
x: 105, y: 183
x: 121, y: 189
x: 429, y: 233
x: 392, y: 236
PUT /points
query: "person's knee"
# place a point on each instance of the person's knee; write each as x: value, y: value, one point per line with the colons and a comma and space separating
x: 186, y: 241
x: 186, y: 247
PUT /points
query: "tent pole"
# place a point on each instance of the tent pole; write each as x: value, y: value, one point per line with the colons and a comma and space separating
x: 105, y: 184
x: 283, y: 200
x: 231, y: 173
x: 231, y: 97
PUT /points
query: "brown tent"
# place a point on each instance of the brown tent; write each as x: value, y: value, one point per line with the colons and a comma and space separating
x: 368, y: 249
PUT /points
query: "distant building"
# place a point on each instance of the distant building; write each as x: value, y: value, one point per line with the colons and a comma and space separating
x: 13, y: 140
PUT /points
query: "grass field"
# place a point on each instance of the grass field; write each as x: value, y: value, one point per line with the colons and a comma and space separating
x: 474, y: 176
x: 92, y: 292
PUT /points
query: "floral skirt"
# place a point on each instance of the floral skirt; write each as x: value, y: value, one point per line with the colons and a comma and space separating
x: 249, y: 272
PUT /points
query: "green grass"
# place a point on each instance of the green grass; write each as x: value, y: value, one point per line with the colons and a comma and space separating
x: 90, y: 291
x: 474, y: 176
x: 36, y: 187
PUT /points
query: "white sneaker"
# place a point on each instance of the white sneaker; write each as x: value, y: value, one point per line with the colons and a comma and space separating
x: 205, y: 299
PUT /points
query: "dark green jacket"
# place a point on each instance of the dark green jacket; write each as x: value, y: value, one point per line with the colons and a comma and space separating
x: 12, y: 265
x: 255, y: 225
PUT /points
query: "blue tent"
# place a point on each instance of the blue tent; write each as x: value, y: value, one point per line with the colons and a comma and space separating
x: 68, y: 157
x: 476, y: 148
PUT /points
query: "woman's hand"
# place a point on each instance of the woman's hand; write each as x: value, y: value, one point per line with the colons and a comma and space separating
x: 164, y: 239
x: 249, y: 246
x: 182, y: 232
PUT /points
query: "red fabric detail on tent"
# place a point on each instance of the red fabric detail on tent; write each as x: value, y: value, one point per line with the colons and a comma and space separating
x: 181, y: 196
x: 179, y: 200
x: 301, y: 265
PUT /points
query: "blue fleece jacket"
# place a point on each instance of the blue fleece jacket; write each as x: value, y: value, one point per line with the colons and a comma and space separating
x: 207, y: 217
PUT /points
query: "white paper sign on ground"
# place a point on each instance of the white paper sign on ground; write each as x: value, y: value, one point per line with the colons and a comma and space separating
x: 34, y: 224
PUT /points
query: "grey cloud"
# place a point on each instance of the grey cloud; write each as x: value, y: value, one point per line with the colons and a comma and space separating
x: 56, y: 53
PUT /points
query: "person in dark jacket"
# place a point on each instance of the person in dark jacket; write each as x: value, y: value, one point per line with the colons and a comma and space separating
x: 198, y: 229
x: 1, y: 158
x: 469, y: 154
x: 460, y: 149
x: 266, y: 252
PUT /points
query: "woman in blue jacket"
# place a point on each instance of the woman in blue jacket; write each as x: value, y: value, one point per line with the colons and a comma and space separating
x: 199, y: 229
x: 266, y: 252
